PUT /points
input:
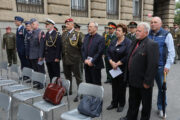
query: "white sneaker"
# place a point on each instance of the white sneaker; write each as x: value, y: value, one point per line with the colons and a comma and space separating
x: 161, y: 114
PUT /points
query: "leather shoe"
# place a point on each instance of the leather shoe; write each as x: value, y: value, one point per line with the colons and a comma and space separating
x: 120, y: 109
x: 123, y: 118
x: 76, y: 99
x: 111, y: 107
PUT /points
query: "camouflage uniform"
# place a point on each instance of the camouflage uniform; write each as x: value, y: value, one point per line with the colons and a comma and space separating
x: 9, y: 42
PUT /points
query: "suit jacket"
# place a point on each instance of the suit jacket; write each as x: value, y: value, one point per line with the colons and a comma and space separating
x: 20, y: 34
x: 144, y: 63
x: 36, y: 44
x: 52, y: 51
x: 96, y: 50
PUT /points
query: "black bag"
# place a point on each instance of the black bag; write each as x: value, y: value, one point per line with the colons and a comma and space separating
x: 90, y: 106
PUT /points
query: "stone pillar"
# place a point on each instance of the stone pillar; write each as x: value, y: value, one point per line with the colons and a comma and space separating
x: 147, y: 9
x: 165, y: 10
x: 126, y: 10
x: 59, y: 7
x: 98, y: 8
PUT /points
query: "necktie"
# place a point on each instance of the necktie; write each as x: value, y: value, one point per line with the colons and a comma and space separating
x: 129, y: 63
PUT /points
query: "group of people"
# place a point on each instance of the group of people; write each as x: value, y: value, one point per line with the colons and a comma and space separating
x: 142, y: 52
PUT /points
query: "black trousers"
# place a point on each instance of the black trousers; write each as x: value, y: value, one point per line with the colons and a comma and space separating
x: 93, y: 75
x: 36, y: 67
x: 24, y: 61
x: 136, y: 95
x: 118, y: 91
x: 53, y: 69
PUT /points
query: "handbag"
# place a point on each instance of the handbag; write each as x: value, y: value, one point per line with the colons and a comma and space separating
x: 54, y: 92
x: 90, y: 106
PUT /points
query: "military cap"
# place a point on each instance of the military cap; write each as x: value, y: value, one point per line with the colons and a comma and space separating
x: 49, y: 21
x: 132, y: 24
x: 18, y: 18
x: 69, y: 20
x: 111, y: 25
x: 76, y: 25
x: 27, y: 22
x: 8, y: 28
x: 32, y: 20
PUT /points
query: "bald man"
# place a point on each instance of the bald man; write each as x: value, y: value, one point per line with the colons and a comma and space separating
x: 166, y: 55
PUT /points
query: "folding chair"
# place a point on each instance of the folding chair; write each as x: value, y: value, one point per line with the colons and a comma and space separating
x: 26, y: 72
x: 26, y: 95
x: 84, y: 89
x: 5, y: 105
x: 27, y: 112
x: 4, y: 66
x: 18, y: 87
x: 47, y: 107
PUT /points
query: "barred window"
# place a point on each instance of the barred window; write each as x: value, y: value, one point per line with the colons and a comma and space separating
x: 30, y: 6
x: 137, y: 9
x: 112, y: 9
x: 79, y: 8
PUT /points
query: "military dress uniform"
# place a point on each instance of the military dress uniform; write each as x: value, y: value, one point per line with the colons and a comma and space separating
x: 9, y: 42
x: 108, y: 38
x: 132, y: 36
x: 52, y: 51
x: 36, y: 50
x: 20, y: 36
x: 71, y: 55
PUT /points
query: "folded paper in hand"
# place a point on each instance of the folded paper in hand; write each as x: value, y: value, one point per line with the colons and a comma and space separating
x: 114, y: 73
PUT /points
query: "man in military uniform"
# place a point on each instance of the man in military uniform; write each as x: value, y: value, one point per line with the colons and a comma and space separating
x: 106, y: 30
x: 20, y: 35
x: 9, y: 42
x: 174, y: 33
x: 132, y: 31
x: 71, y: 53
x: 111, y: 35
x: 63, y: 28
x: 36, y: 47
x: 27, y: 38
x: 52, y: 50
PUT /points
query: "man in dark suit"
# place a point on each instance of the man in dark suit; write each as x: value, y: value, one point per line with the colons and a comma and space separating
x: 140, y: 73
x: 92, y: 51
x: 20, y: 35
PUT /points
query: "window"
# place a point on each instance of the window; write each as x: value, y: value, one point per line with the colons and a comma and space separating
x: 137, y: 9
x: 79, y: 8
x: 30, y: 6
x: 112, y: 9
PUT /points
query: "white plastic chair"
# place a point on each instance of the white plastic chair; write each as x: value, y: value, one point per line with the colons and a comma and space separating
x: 27, y: 112
x: 5, y: 105
x: 47, y: 107
x: 26, y: 95
x: 84, y: 89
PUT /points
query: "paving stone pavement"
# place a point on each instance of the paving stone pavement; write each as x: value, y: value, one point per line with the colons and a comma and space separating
x: 173, y: 99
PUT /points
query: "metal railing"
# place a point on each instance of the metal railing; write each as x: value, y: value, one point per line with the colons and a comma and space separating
x: 80, y: 11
